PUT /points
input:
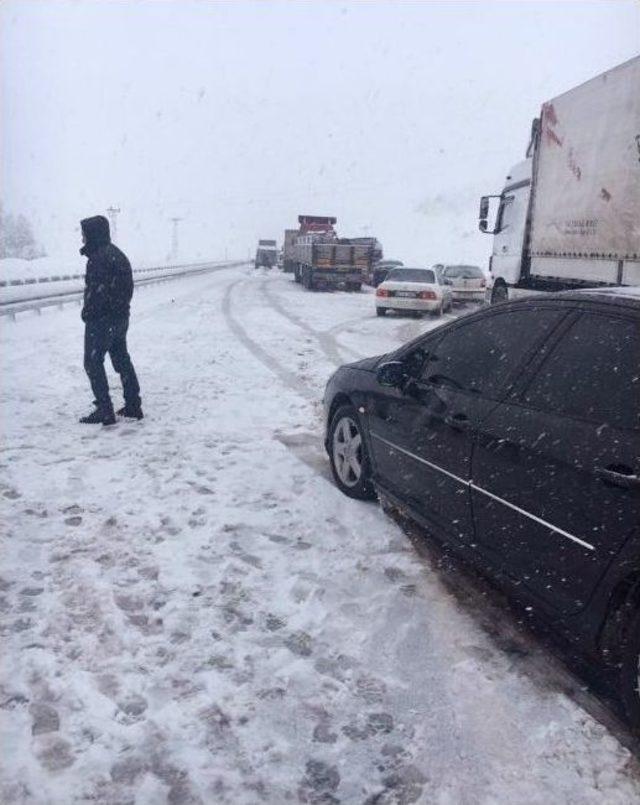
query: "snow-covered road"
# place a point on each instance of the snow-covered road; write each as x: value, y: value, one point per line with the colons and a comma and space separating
x: 192, y: 613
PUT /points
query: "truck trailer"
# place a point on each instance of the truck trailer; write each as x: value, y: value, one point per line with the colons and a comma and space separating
x: 266, y: 254
x: 323, y: 260
x: 569, y: 214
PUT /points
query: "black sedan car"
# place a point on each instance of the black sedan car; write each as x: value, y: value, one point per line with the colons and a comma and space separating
x: 513, y: 435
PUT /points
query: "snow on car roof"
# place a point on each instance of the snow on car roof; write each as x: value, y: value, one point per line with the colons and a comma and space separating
x: 630, y: 292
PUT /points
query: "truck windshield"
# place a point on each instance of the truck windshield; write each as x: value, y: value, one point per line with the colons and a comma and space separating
x: 411, y: 275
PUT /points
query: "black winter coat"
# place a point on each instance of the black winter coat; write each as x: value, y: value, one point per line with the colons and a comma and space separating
x: 108, y: 280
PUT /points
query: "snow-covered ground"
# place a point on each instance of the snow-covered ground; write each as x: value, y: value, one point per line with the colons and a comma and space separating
x: 192, y: 613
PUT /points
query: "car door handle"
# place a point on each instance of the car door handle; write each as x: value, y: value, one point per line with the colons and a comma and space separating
x: 458, y: 421
x: 619, y: 476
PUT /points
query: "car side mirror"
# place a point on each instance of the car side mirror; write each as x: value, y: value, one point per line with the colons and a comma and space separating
x: 391, y: 374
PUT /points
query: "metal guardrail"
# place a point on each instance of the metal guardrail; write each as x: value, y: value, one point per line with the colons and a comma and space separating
x: 13, y: 307
x: 66, y: 277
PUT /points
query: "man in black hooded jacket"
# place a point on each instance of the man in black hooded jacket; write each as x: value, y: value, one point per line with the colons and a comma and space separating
x: 107, y: 296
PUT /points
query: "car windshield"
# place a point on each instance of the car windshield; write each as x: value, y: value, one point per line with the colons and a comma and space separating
x: 411, y: 275
x: 463, y: 272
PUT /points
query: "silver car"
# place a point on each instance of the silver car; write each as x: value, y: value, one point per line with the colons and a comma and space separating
x: 467, y: 283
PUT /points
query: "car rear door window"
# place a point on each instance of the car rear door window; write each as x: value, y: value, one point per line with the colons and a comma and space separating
x: 479, y: 357
x: 593, y: 373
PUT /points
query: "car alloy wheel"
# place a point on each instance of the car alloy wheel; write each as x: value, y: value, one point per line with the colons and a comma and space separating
x: 347, y: 451
x: 348, y: 454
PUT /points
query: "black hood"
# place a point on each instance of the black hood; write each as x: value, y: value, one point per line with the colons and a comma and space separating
x: 96, y: 233
x: 367, y: 364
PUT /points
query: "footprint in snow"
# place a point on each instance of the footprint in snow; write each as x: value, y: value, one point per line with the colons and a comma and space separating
x: 45, y: 718
x: 375, y: 724
x: 299, y: 643
x: 319, y: 782
x: 370, y: 689
x: 55, y: 754
x: 273, y: 623
x: 131, y: 708
x: 394, y: 573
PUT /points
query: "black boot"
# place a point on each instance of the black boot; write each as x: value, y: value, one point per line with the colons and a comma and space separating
x: 99, y: 417
x: 131, y: 411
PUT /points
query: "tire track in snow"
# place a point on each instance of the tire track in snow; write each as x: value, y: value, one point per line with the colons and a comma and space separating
x: 326, y: 339
x: 286, y: 376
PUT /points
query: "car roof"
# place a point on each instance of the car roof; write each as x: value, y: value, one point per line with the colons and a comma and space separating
x: 412, y: 268
x: 625, y: 295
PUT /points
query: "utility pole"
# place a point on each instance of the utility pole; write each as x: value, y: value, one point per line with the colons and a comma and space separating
x: 112, y: 212
x: 174, y: 238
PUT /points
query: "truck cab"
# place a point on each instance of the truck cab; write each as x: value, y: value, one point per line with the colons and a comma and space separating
x: 568, y: 215
x: 508, y: 255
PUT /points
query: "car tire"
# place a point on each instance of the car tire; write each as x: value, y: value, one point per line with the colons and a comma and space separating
x: 381, y: 311
x: 629, y: 679
x: 500, y: 293
x: 348, y: 455
x: 439, y: 311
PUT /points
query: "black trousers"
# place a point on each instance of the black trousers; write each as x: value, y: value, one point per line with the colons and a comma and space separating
x: 104, y: 335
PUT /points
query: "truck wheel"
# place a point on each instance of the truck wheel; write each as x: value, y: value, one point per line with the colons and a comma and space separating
x: 348, y: 455
x: 354, y: 286
x: 381, y: 311
x: 296, y: 274
x: 500, y: 293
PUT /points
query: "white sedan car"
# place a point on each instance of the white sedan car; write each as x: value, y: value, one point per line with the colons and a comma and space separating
x: 413, y: 289
x: 468, y: 283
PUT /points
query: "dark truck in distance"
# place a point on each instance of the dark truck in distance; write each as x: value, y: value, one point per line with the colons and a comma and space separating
x: 266, y: 254
x: 323, y: 260
x: 288, y: 250
x: 381, y: 269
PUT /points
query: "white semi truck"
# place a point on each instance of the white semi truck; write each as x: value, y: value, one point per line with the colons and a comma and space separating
x: 569, y: 214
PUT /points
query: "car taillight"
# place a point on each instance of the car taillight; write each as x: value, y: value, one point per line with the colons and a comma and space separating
x: 428, y: 295
x: 382, y: 292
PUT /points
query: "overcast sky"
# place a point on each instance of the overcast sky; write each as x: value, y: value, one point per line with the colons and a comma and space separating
x: 394, y: 116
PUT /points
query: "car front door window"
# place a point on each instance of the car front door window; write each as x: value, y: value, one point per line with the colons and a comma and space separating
x: 479, y: 358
